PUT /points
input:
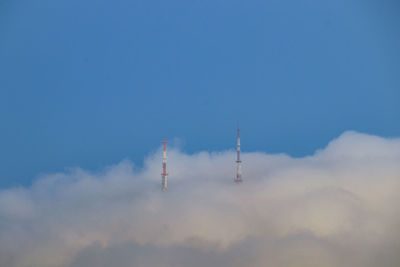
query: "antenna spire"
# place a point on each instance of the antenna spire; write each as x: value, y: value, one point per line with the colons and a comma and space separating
x: 164, y: 173
x: 238, y: 178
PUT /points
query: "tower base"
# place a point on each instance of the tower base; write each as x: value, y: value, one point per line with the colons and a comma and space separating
x: 238, y: 180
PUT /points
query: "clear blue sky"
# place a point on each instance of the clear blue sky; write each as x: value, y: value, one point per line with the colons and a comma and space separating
x: 88, y: 83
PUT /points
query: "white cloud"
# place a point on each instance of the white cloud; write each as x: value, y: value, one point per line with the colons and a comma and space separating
x: 338, y: 207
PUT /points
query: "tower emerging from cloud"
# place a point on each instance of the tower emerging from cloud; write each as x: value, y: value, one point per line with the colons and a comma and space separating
x: 238, y: 178
x: 164, y: 173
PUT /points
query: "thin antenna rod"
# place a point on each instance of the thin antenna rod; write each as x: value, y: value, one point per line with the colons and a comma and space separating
x: 164, y: 173
x: 238, y: 178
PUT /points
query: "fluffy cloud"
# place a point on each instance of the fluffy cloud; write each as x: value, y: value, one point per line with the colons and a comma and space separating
x: 338, y: 207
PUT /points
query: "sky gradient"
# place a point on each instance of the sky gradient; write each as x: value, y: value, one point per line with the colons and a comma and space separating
x: 89, y: 83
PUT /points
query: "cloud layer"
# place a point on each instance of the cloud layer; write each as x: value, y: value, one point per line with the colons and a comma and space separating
x: 338, y: 207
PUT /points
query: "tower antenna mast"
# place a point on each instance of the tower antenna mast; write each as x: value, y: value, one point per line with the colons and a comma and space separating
x: 164, y: 173
x: 238, y: 178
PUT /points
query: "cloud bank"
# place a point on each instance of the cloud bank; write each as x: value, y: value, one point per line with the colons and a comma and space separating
x: 338, y: 207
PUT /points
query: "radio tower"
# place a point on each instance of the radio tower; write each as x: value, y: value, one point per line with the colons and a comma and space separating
x: 164, y: 173
x: 238, y: 178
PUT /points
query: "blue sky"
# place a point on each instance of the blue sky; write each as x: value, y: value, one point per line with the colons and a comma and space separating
x: 88, y: 83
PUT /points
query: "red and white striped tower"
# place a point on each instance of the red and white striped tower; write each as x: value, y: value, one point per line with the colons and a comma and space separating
x: 164, y: 173
x: 238, y: 178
